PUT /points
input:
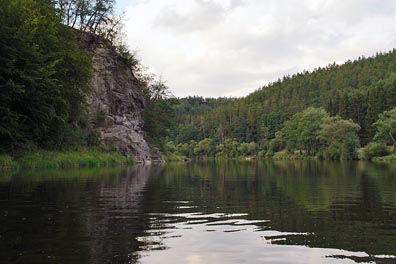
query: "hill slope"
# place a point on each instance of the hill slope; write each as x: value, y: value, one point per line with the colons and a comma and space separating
x: 357, y: 90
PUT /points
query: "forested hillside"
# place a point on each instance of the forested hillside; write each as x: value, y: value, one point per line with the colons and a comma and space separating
x: 358, y: 90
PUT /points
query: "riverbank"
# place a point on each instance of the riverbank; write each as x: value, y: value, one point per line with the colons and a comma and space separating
x: 282, y: 155
x: 386, y: 159
x: 173, y: 157
x: 69, y: 159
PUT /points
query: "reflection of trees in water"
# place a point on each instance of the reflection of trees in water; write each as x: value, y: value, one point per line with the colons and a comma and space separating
x: 346, y: 205
x: 102, y: 216
x: 73, y: 216
x: 343, y: 204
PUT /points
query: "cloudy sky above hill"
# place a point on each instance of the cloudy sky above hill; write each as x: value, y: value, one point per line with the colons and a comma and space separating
x: 232, y: 47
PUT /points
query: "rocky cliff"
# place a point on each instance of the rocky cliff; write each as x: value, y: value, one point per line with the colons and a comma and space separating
x: 117, y: 102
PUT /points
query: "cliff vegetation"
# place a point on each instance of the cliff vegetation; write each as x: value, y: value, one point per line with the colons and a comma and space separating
x: 68, y: 82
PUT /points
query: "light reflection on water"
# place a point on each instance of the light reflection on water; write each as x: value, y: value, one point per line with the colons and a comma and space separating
x: 281, y: 212
x: 227, y: 238
x: 185, y: 239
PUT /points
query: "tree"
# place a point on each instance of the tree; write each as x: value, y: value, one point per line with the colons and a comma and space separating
x: 278, y: 143
x: 339, y: 137
x: 204, y: 148
x: 94, y: 16
x: 386, y: 127
x: 158, y: 114
x: 375, y: 149
x: 231, y: 146
x: 301, y: 131
x: 44, y: 77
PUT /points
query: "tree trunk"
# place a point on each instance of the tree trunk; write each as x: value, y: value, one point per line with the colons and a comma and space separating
x: 393, y: 139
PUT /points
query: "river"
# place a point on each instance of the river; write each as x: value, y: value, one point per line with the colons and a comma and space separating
x: 224, y: 212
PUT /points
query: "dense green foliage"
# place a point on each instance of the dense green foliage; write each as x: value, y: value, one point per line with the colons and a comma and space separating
x: 346, y: 101
x: 165, y: 116
x: 158, y: 114
x: 386, y: 127
x: 186, y: 110
x: 339, y: 137
x: 302, y: 131
x: 314, y: 132
x: 44, y: 78
x: 310, y: 132
x: 375, y: 149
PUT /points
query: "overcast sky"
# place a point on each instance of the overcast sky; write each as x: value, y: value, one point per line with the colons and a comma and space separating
x: 232, y: 47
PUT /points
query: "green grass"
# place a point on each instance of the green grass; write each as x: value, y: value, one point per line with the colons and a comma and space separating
x: 283, y: 155
x: 242, y: 158
x: 7, y: 162
x: 173, y: 157
x: 388, y: 159
x: 70, y: 159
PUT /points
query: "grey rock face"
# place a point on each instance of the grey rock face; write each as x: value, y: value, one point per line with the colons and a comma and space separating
x: 117, y: 102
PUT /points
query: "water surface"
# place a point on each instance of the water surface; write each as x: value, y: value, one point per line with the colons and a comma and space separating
x: 229, y: 212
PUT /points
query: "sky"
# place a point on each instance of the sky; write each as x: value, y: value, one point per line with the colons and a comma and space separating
x: 229, y: 48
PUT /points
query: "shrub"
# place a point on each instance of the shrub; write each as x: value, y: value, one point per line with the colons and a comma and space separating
x: 262, y: 154
x: 7, y: 162
x: 387, y: 159
x: 375, y: 149
x: 333, y: 151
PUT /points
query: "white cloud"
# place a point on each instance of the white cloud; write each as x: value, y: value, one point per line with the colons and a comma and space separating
x: 232, y: 47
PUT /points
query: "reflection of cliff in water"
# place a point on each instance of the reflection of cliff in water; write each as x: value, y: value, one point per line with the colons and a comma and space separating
x: 76, y: 216
x: 118, y: 218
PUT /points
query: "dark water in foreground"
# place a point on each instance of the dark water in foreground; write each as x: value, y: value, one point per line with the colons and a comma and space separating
x: 270, y: 212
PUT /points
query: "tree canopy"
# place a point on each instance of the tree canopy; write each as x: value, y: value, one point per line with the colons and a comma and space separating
x: 386, y: 127
x: 44, y: 77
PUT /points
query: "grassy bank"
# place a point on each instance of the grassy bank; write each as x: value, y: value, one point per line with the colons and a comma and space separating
x: 296, y: 156
x: 7, y: 162
x: 70, y: 159
x: 173, y: 157
x: 387, y: 159
x: 283, y: 155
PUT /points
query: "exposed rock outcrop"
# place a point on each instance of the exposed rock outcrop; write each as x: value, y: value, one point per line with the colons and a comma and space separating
x: 117, y: 102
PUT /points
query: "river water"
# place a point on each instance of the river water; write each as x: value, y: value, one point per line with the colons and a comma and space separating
x: 225, y: 212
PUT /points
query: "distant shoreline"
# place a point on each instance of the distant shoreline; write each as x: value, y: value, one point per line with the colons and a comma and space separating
x: 171, y: 157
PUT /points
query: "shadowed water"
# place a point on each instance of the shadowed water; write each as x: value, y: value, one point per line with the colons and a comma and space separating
x: 228, y: 212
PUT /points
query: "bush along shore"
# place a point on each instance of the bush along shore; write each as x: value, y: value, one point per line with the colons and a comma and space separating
x: 281, y: 155
x: 70, y: 159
